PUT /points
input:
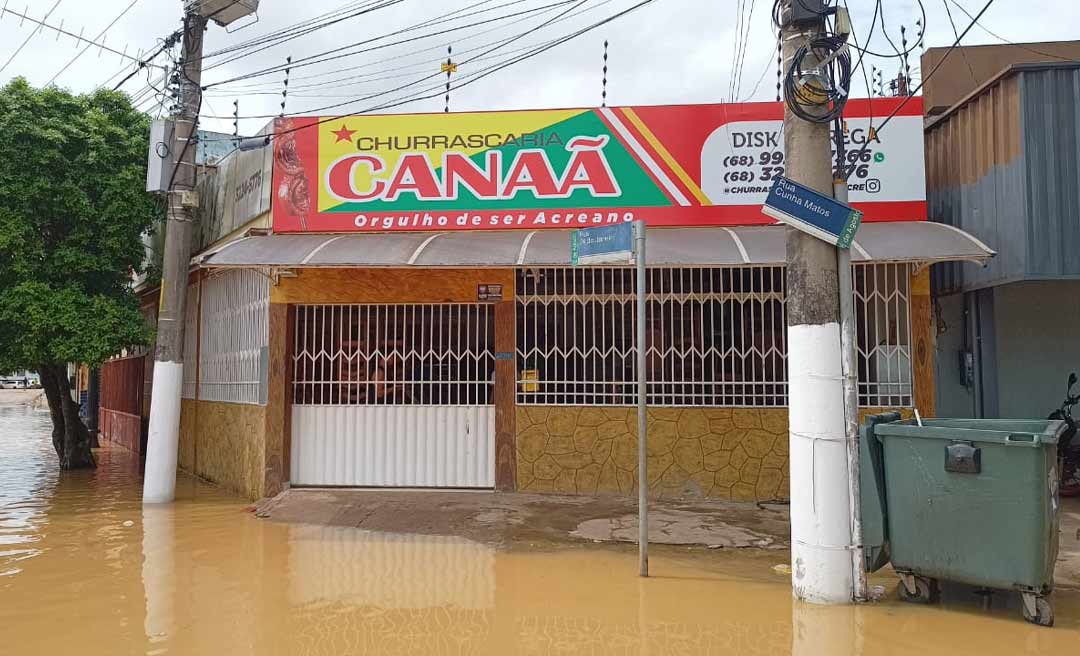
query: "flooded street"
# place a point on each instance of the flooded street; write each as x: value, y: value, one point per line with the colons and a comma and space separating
x: 84, y: 569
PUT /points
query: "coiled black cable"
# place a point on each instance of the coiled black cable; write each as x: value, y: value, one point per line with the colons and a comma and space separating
x: 813, y: 94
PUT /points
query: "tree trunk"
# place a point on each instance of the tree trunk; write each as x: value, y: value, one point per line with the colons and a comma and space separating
x: 70, y: 437
x: 56, y: 408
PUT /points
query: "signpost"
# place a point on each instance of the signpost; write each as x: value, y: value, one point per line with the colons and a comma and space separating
x: 811, y: 212
x: 625, y: 243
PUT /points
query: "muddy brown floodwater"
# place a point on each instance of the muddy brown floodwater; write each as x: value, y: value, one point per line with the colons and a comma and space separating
x: 85, y: 570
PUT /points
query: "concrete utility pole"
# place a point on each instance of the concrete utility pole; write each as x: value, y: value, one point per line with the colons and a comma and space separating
x: 159, y: 484
x: 820, y: 501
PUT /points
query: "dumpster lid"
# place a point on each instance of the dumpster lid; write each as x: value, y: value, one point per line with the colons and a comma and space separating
x: 1013, y: 432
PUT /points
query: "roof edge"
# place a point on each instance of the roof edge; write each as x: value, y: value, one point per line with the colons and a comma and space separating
x: 1008, y: 71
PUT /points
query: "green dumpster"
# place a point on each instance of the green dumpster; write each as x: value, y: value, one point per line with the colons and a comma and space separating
x: 967, y: 500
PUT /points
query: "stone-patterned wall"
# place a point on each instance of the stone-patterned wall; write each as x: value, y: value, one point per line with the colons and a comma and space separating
x: 224, y: 443
x: 186, y: 457
x: 731, y: 453
x: 728, y: 453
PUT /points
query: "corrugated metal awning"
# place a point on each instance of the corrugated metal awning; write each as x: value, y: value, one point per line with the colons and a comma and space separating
x: 922, y: 242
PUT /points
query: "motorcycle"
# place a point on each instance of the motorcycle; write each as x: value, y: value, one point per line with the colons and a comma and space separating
x: 1068, y: 451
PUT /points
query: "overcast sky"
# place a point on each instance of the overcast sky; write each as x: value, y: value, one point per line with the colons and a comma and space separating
x: 669, y: 51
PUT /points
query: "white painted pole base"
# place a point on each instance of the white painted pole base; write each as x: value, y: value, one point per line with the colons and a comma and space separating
x: 159, y: 481
x: 820, y: 524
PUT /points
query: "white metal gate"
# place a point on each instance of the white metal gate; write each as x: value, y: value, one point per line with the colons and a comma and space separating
x: 394, y: 396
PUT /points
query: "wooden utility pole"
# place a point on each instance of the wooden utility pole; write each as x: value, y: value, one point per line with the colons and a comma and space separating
x: 159, y: 484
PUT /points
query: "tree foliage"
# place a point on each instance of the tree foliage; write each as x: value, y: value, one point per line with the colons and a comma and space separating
x: 73, y: 210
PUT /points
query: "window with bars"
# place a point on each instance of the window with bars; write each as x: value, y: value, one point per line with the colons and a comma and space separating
x: 883, y: 331
x: 715, y: 337
x: 415, y: 354
x: 235, y: 311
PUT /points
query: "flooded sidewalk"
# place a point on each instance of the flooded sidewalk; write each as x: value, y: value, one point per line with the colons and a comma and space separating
x: 545, y: 521
x: 509, y: 520
x: 85, y: 569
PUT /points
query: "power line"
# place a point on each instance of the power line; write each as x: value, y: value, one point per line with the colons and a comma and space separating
x: 879, y: 10
x: 412, y: 53
x: 32, y: 34
x: 476, y: 77
x: 1022, y: 46
x: 314, y: 59
x: 143, y: 63
x: 397, y: 72
x: 438, y: 73
x: 739, y: 14
x: 926, y: 78
x: 742, y: 55
x: 254, y: 50
x: 768, y: 67
x: 448, y: 17
x: 971, y: 71
x: 285, y: 31
x: 101, y: 34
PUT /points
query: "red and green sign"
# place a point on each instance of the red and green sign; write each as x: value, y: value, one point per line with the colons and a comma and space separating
x: 668, y: 165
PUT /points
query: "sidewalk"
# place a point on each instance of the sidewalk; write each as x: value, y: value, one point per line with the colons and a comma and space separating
x: 510, y: 521
x: 507, y: 520
x: 32, y: 397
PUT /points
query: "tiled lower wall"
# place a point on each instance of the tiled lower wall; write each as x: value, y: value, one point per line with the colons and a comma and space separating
x: 727, y: 453
x: 224, y: 443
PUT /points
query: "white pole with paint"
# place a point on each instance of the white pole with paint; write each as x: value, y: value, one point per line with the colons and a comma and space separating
x: 643, y: 470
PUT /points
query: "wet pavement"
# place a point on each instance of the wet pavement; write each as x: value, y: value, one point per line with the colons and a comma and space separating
x: 532, y: 521
x: 85, y: 570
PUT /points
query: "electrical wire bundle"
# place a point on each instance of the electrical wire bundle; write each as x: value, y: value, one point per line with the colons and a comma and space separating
x: 818, y: 79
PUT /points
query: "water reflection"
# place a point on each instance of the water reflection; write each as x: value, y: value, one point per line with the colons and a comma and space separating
x: 826, y: 630
x: 393, y: 571
x: 26, y: 487
x: 158, y: 571
x: 99, y: 574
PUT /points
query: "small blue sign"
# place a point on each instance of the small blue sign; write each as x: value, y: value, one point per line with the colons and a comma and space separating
x: 812, y: 212
x: 604, y: 244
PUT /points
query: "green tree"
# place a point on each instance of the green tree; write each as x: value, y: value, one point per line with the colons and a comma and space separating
x: 73, y: 210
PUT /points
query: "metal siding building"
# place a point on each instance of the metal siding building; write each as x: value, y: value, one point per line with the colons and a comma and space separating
x: 1051, y: 120
x: 1003, y: 166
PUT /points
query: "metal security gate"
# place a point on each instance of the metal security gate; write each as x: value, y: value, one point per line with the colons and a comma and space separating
x: 394, y: 396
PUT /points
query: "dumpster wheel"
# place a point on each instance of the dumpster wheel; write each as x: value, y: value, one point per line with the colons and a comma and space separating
x: 1037, y: 609
x: 917, y: 589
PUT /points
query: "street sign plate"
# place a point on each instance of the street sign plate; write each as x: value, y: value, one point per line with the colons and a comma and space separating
x: 601, y: 245
x: 812, y: 212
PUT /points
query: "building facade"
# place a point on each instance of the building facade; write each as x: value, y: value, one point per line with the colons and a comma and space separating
x: 405, y: 312
x: 1002, y: 165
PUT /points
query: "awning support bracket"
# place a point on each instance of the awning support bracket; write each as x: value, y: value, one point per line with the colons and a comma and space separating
x: 277, y: 273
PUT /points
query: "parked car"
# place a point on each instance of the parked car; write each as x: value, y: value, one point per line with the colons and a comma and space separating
x: 8, y: 383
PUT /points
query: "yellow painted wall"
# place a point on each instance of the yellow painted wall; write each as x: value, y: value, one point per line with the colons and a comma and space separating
x: 224, y: 443
x: 726, y: 453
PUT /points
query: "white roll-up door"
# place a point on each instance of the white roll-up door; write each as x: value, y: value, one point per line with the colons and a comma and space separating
x: 394, y: 396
